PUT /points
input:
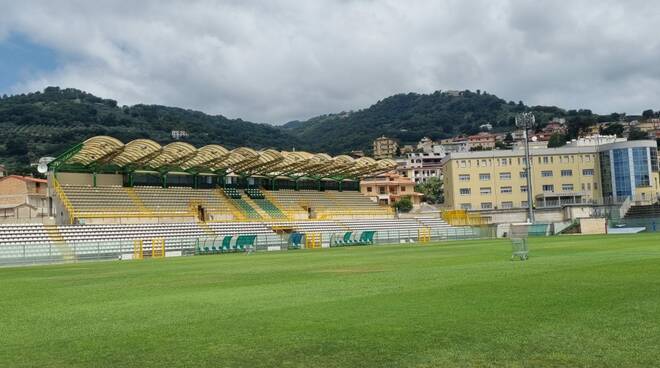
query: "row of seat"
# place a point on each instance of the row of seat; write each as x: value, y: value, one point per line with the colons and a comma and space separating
x: 36, y: 233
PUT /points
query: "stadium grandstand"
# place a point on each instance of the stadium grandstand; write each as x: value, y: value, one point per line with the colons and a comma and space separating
x: 116, y: 200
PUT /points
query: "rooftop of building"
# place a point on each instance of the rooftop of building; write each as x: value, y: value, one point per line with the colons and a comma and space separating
x: 549, y: 151
x: 25, y: 178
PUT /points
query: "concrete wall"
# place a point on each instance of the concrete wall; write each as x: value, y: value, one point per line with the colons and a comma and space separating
x: 75, y: 178
x: 593, y: 226
x: 66, y: 178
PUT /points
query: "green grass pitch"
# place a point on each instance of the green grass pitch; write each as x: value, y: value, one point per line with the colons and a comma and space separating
x: 578, y: 301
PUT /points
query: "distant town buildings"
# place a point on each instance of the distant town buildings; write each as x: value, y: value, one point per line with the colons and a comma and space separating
x: 178, y: 134
x: 3, y: 171
x: 483, y: 140
x: 487, y: 126
x: 385, y: 148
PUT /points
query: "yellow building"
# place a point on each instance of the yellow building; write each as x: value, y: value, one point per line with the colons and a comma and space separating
x: 486, y: 180
x: 385, y: 148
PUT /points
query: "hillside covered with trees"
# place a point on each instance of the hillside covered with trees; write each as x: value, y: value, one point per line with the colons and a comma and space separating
x: 47, y: 123
x: 409, y: 117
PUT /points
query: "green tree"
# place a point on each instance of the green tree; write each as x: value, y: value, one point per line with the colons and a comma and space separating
x: 613, y: 129
x: 556, y: 140
x: 635, y: 134
x: 647, y: 114
x: 432, y: 190
x: 404, y: 204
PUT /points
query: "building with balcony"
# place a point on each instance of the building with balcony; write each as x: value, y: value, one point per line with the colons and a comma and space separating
x: 385, y: 148
x: 388, y: 188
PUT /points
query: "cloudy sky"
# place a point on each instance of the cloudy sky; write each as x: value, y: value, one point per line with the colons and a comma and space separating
x: 275, y: 61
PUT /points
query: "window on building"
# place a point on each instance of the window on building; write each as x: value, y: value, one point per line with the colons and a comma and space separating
x: 486, y: 205
x: 567, y: 173
x: 403, y: 189
x: 466, y: 206
x: 523, y: 204
x: 595, y: 186
x: 484, y: 190
x: 567, y: 187
x: 484, y: 177
x: 462, y: 163
x: 464, y: 177
x: 506, y: 190
x: 546, y: 159
x: 381, y: 190
x: 464, y: 191
x: 505, y: 176
x: 507, y: 204
x: 548, y: 188
x: 523, y: 189
x: 546, y: 173
x: 369, y: 189
x: 523, y: 174
x: 588, y: 186
x: 588, y: 172
x: 504, y: 162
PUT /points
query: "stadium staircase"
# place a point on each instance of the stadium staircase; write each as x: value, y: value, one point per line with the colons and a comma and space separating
x: 137, y: 201
x: 206, y: 228
x: 56, y: 238
x: 234, y: 197
x: 260, y: 200
x: 643, y: 211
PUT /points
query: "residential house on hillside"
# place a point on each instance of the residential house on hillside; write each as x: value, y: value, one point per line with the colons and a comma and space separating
x: 484, y: 140
x: 388, y: 188
x: 22, y: 198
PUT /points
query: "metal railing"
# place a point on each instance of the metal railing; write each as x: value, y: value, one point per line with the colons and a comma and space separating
x: 69, y: 252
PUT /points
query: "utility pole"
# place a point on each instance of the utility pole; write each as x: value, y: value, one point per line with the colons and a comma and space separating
x: 526, y: 120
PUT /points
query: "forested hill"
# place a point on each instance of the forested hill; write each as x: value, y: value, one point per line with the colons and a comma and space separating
x: 47, y: 123
x: 409, y: 117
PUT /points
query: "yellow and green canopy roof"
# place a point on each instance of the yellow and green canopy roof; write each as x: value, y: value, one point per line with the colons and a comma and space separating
x: 108, y: 154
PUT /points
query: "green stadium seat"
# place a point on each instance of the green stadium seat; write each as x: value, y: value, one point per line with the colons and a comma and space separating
x: 226, y: 243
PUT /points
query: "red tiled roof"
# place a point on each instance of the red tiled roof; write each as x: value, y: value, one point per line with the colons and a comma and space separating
x: 26, y: 178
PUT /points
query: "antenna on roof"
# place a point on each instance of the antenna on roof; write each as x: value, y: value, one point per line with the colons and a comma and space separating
x: 43, y: 164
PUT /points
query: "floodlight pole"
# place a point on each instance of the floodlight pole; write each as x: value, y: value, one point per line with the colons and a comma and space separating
x: 525, y: 120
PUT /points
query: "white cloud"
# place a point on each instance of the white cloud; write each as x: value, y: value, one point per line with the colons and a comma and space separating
x: 282, y: 60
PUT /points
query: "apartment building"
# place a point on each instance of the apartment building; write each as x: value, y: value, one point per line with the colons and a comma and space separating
x: 486, y: 180
x: 421, y: 166
x: 385, y: 148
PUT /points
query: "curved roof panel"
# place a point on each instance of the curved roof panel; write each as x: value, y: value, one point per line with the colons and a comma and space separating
x: 180, y: 156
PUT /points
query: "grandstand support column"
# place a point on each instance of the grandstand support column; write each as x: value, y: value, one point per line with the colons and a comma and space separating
x: 94, y: 179
x: 164, y: 180
x: 130, y: 179
x: 195, y: 177
x: 339, y: 184
x: 297, y: 185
